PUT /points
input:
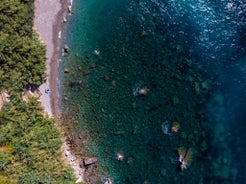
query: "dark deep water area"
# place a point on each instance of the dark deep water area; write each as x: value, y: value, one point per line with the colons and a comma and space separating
x: 162, y: 82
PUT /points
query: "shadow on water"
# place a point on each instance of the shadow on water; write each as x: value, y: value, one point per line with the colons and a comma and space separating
x: 188, y: 56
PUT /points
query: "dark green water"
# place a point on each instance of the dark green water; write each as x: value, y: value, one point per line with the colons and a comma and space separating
x: 190, y: 55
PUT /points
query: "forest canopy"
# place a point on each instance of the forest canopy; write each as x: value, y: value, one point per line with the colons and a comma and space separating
x: 29, y: 142
x: 22, y: 55
x: 30, y: 146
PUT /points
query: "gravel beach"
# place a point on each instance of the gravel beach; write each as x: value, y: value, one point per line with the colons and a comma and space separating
x: 48, y: 22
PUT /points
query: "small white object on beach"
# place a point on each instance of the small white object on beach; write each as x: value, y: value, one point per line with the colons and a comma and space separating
x: 70, y: 9
x: 59, y: 35
x: 96, y: 52
x: 67, y: 153
x: 64, y: 19
x: 73, y: 159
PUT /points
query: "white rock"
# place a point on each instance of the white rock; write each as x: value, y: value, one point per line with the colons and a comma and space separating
x: 96, y: 52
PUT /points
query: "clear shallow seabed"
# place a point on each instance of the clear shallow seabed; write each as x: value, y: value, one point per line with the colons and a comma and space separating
x: 191, y: 57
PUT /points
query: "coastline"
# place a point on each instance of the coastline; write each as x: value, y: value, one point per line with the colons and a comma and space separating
x: 48, y: 22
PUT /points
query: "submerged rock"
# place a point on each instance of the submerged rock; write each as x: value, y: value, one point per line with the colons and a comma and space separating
x: 64, y: 19
x: 106, y: 78
x: 96, y: 52
x: 67, y: 70
x: 120, y: 156
x: 87, y: 56
x: 140, y: 90
x: 108, y: 181
x: 146, y: 182
x: 85, y: 72
x: 175, y: 100
x: 119, y: 133
x: 143, y: 34
x: 66, y: 48
x: 92, y: 65
x: 166, y: 128
x: 129, y: 160
x: 185, y: 157
x: 175, y: 127
x: 69, y: 9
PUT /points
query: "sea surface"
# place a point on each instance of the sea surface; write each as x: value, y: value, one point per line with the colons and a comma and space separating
x: 161, y: 83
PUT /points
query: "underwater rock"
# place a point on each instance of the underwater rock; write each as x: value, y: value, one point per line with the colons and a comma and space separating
x: 175, y: 127
x: 185, y: 157
x: 92, y: 65
x: 183, y: 135
x: 163, y: 171
x: 66, y: 48
x: 175, y: 100
x: 169, y: 129
x: 85, y: 72
x: 203, y: 145
x: 119, y: 133
x: 67, y: 70
x: 87, y: 56
x: 64, y: 19
x: 96, y: 52
x: 166, y: 128
x: 134, y: 131
x: 140, y: 90
x: 146, y: 182
x: 108, y: 181
x: 69, y: 9
x: 113, y: 83
x: 143, y: 34
x: 120, y: 156
x: 206, y: 85
x: 129, y: 160
x: 143, y: 91
x: 89, y: 161
x: 197, y: 88
x: 106, y: 78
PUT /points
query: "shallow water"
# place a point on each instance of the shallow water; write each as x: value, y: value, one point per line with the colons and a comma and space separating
x: 189, y: 57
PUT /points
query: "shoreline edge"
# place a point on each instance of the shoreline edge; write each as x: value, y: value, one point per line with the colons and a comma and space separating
x: 48, y: 22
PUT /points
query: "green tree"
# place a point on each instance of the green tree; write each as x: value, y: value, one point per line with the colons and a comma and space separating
x: 16, y: 17
x: 22, y: 62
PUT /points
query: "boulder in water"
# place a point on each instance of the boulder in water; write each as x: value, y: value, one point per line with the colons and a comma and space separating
x: 66, y: 48
x: 67, y: 70
x: 143, y: 34
x: 85, y: 72
x: 96, y: 52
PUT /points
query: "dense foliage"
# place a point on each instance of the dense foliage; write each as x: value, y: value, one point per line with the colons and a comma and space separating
x: 22, y: 55
x: 29, y: 143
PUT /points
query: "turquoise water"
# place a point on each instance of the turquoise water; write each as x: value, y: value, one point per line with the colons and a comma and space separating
x: 188, y: 57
